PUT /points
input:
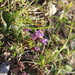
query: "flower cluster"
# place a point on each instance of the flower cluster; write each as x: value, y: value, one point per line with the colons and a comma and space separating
x: 38, y: 35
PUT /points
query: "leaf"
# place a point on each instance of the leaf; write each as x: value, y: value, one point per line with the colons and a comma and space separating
x: 1, y: 43
x: 69, y: 6
x: 61, y: 72
x: 68, y: 68
x: 1, y: 0
x: 7, y: 18
x: 3, y: 23
x: 53, y: 68
x: 56, y: 37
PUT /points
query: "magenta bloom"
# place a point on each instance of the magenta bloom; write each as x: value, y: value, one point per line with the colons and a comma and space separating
x: 26, y: 29
x: 35, y: 48
x: 43, y: 41
x: 25, y: 74
x: 37, y: 34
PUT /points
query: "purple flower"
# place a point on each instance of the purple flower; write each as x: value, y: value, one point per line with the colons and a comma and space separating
x: 43, y: 41
x: 26, y: 29
x: 37, y: 34
x: 35, y: 48
x: 25, y: 74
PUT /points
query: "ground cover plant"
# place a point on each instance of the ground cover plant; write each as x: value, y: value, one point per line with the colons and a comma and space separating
x: 37, y: 37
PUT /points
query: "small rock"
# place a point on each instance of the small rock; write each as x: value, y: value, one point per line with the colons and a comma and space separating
x: 4, y: 68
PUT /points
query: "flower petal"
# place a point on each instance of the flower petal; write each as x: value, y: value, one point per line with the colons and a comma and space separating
x: 37, y: 34
x: 43, y: 41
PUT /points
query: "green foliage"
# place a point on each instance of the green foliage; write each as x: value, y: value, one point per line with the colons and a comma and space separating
x: 36, y: 0
x: 41, y: 61
x: 53, y: 69
x: 68, y: 68
x: 7, y: 16
x: 60, y: 29
x: 17, y: 49
x: 47, y: 58
x: 1, y: 43
x: 1, y: 0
